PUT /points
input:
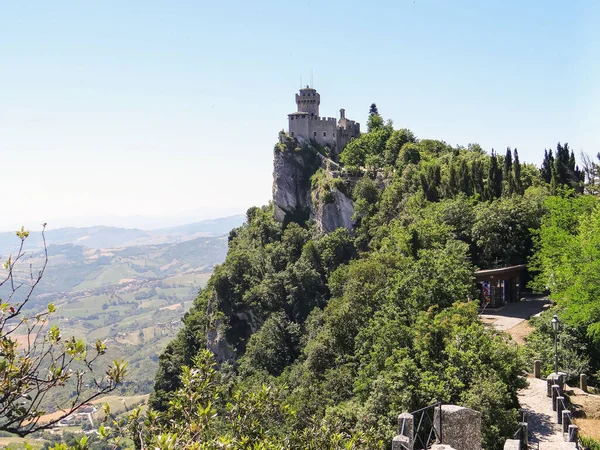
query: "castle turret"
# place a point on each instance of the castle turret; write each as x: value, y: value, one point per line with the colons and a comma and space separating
x: 308, y: 101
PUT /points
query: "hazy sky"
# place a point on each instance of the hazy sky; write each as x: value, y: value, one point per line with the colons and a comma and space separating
x: 119, y: 108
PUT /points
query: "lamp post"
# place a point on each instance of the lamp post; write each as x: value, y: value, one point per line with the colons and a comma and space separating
x: 555, y: 328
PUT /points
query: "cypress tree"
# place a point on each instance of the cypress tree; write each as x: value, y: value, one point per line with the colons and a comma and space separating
x: 477, y: 178
x: 562, y: 163
x: 547, y: 166
x: 518, y: 184
x: 507, y: 173
x: 464, y: 181
x: 375, y: 121
x: 494, y: 182
x: 452, y: 181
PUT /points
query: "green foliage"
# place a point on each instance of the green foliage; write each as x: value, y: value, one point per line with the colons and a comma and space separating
x: 205, y: 413
x: 375, y: 121
x: 590, y: 443
x: 502, y: 229
x: 397, y: 145
x: 331, y: 336
x: 567, y: 261
x: 572, y: 349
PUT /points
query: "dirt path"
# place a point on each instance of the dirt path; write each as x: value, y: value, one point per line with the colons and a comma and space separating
x: 543, y: 429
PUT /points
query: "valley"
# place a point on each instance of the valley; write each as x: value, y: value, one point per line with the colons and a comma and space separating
x: 129, y: 295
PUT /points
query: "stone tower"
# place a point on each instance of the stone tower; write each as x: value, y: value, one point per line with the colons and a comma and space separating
x: 308, y: 101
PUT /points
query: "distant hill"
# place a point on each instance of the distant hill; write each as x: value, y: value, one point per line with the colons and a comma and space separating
x: 98, y: 237
x: 127, y: 286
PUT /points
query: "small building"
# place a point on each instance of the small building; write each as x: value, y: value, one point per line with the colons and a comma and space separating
x: 498, y: 287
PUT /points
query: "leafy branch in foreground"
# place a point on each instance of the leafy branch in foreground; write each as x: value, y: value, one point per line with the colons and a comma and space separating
x: 35, y: 360
x: 205, y: 414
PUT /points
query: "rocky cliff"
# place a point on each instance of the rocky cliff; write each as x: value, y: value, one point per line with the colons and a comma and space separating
x: 295, y: 197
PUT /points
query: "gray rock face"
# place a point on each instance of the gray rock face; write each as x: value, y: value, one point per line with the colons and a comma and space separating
x: 217, y: 343
x: 334, y: 215
x: 291, y: 185
x: 292, y: 194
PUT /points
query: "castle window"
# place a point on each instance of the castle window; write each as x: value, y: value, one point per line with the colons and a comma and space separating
x: 333, y: 134
x: 292, y: 133
x: 315, y: 134
x: 324, y: 134
x: 292, y: 118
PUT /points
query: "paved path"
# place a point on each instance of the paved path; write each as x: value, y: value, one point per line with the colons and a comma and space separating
x: 514, y: 313
x: 544, y: 432
x: 543, y: 429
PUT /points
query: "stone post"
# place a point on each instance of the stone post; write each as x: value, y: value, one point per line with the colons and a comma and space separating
x: 401, y: 443
x: 461, y: 427
x: 405, y: 440
x: 562, y: 379
x: 583, y: 382
x: 559, y: 408
x: 555, y: 389
x: 512, y: 444
x: 566, y: 420
x: 537, y: 368
x: 550, y: 381
x: 573, y: 433
x: 524, y: 434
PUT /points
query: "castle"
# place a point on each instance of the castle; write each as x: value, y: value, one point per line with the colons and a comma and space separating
x: 305, y: 124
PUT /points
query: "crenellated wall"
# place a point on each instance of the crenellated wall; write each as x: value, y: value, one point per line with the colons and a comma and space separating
x: 321, y: 129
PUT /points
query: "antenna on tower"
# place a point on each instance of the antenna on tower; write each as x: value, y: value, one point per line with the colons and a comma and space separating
x: 311, y: 79
x: 300, y: 81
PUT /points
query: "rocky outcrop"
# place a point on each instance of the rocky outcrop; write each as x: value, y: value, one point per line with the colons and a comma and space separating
x: 293, y: 166
x: 216, y: 340
x: 291, y: 185
x: 334, y: 214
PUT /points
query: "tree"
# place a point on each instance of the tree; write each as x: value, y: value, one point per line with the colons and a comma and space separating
x: 430, y: 182
x: 494, y: 181
x: 464, y: 179
x: 375, y: 121
x: 547, y: 166
x: 477, y: 177
x: 567, y: 263
x: 502, y: 230
x: 507, y: 173
x: 516, y: 175
x: 395, y: 143
x: 36, y: 359
x: 591, y: 174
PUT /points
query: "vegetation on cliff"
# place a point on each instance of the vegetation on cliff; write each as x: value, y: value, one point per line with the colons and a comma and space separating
x: 355, y: 326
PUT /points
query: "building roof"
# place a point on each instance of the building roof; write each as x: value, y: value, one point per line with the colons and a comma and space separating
x: 500, y: 271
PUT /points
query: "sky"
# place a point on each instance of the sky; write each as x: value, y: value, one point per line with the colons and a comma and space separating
x: 118, y: 112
